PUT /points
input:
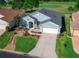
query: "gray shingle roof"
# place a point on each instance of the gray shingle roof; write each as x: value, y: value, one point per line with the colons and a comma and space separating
x: 41, y: 17
x: 56, y: 17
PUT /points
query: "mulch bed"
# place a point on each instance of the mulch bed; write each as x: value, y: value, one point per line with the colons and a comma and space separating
x: 25, y: 32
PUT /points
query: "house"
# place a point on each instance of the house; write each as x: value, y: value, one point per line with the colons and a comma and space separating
x: 75, y: 31
x: 46, y: 20
x: 75, y: 23
x: 9, y: 17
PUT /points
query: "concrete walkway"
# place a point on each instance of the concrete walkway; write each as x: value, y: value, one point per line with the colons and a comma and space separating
x: 11, y: 44
x: 45, y: 47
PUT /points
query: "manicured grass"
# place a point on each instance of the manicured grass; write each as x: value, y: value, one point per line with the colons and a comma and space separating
x: 57, y: 6
x: 64, y: 46
x: 4, y: 39
x: 25, y: 44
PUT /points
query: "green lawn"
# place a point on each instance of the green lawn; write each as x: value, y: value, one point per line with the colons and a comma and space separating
x: 25, y: 44
x: 58, y: 6
x: 4, y: 39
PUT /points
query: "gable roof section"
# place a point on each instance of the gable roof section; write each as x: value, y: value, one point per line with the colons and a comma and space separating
x: 49, y: 24
x: 45, y: 15
x: 41, y: 17
x: 10, y: 14
x: 56, y: 17
x: 3, y: 22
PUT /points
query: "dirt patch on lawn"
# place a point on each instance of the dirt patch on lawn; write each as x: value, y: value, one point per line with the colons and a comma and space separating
x: 11, y: 44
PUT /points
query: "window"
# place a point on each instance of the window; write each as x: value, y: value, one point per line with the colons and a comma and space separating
x: 30, y: 24
x: 23, y: 23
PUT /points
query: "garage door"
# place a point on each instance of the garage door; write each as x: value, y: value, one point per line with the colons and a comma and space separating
x: 49, y: 30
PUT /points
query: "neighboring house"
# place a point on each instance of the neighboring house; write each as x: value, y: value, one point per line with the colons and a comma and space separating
x: 9, y: 17
x: 75, y: 23
x: 48, y: 21
x: 75, y: 31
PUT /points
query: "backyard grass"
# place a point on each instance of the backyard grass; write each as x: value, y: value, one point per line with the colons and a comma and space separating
x: 57, y: 6
x: 4, y: 39
x: 25, y: 44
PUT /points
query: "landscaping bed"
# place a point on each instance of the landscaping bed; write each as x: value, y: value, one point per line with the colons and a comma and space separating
x: 25, y: 43
x: 4, y: 39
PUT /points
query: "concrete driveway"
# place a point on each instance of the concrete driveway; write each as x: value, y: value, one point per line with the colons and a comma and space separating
x: 45, y: 47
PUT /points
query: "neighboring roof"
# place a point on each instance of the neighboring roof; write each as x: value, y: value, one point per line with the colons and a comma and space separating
x: 3, y: 22
x: 75, y: 22
x: 10, y: 14
x: 48, y: 15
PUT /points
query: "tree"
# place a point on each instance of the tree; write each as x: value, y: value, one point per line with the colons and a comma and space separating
x: 30, y: 4
x: 17, y: 4
x: 36, y: 3
x: 70, y: 9
x: 25, y: 4
x: 77, y: 4
x: 2, y: 2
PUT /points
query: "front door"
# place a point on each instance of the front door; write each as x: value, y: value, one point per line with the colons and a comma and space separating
x: 30, y: 24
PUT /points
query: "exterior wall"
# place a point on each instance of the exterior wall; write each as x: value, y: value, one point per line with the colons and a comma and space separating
x: 14, y: 23
x: 25, y: 22
x: 11, y: 24
x: 50, y: 30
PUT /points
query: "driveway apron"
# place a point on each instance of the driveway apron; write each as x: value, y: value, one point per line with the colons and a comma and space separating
x: 45, y: 47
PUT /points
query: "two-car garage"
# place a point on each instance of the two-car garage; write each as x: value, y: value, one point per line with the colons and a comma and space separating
x: 50, y: 27
x: 50, y: 30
